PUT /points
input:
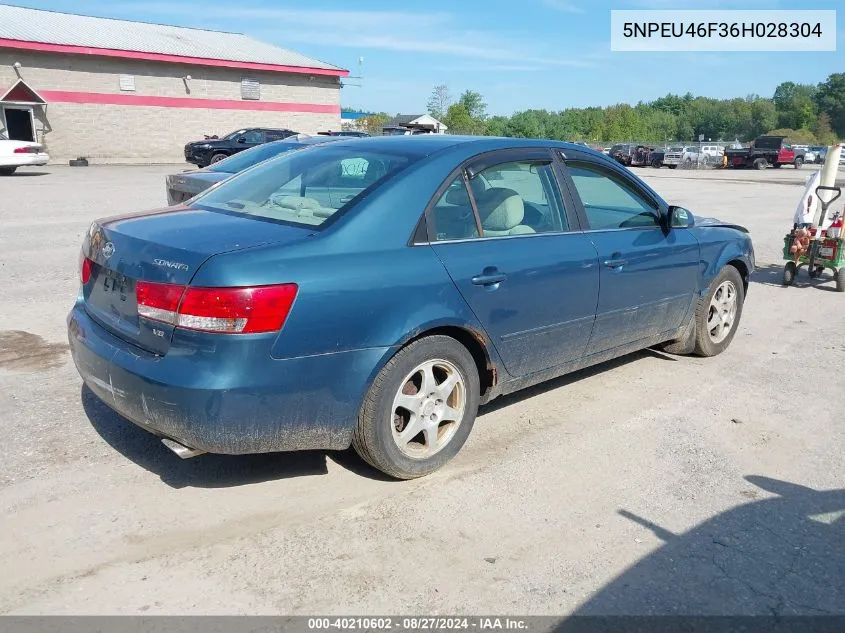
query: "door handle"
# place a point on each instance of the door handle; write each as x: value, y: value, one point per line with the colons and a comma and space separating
x: 615, y: 262
x: 489, y: 279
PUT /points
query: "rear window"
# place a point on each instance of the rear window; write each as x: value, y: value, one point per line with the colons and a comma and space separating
x: 252, y: 156
x: 303, y: 188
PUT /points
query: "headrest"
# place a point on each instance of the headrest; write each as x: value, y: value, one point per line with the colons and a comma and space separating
x: 500, y: 209
x: 458, y: 196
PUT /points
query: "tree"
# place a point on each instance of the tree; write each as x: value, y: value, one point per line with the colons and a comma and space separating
x: 830, y: 99
x: 459, y: 120
x: 439, y: 101
x: 474, y: 104
x: 798, y: 137
x: 794, y: 104
x: 373, y: 123
x: 823, y: 131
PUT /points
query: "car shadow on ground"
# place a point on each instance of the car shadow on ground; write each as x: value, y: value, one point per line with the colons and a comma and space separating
x: 777, y: 555
x: 772, y: 275
x: 19, y: 174
x: 210, y: 471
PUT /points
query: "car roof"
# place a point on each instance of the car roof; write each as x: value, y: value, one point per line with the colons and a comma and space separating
x: 426, y: 144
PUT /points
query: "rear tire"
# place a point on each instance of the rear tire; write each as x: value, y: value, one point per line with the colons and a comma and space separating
x: 760, y: 163
x: 7, y: 171
x: 718, y: 313
x: 671, y: 166
x: 384, y: 416
x: 840, y: 280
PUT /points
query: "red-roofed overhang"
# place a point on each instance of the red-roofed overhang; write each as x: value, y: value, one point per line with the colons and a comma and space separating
x: 160, y: 57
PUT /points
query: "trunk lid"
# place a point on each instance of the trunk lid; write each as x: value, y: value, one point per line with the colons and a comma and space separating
x: 162, y: 247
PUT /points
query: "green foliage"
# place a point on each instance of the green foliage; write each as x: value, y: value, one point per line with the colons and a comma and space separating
x: 830, y: 99
x: 474, y: 104
x: 374, y: 122
x: 812, y: 113
x: 796, y: 137
x: 460, y: 121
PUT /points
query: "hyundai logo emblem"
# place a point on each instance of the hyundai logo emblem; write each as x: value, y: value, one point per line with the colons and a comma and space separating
x: 108, y: 250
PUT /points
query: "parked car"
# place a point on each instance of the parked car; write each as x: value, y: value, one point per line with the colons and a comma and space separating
x: 623, y: 153
x: 819, y: 152
x: 341, y: 295
x: 711, y: 154
x: 185, y: 185
x: 656, y: 157
x: 212, y: 149
x: 14, y: 154
x: 675, y: 156
x: 765, y: 151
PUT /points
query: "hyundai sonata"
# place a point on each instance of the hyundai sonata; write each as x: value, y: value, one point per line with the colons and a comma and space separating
x: 373, y: 292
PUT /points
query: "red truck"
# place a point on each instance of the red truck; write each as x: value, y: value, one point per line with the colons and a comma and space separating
x: 765, y: 151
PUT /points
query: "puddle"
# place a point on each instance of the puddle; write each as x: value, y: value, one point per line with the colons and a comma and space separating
x: 23, y: 351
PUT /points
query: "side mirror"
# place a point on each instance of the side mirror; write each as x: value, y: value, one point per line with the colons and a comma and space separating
x: 680, y: 218
x: 241, y: 139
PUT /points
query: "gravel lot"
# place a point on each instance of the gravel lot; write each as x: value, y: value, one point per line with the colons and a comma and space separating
x: 652, y: 484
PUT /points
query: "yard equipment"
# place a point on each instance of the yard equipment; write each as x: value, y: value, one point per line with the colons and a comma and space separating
x: 826, y: 248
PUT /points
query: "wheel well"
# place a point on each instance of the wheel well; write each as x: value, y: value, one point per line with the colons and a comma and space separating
x: 743, y: 272
x: 486, y: 370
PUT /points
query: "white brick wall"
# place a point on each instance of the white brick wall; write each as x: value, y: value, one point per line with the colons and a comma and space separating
x: 127, y: 134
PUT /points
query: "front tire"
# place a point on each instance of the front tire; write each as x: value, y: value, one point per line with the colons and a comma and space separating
x: 799, y: 162
x: 420, y: 408
x: 840, y: 279
x: 718, y: 313
x: 217, y: 158
x: 789, y: 272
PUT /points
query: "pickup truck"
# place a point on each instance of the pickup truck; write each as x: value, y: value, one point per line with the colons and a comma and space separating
x: 765, y: 151
x: 675, y: 156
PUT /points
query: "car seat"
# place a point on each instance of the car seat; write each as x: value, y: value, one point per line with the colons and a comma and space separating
x: 502, y: 212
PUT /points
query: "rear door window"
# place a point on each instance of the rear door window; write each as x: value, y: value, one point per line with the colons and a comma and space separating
x: 519, y: 197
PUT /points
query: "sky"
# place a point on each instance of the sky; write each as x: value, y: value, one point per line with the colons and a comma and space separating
x: 518, y: 54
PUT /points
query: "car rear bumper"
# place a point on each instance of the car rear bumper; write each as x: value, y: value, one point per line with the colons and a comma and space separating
x: 225, y: 404
x: 25, y: 160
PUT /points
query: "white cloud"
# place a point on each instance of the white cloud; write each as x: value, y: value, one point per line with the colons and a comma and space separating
x: 435, y: 33
x: 481, y: 68
x: 563, y: 6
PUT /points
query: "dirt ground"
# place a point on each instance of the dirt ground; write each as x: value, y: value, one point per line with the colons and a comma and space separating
x: 652, y: 484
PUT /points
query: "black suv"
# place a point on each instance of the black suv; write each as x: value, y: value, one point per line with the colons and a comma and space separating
x: 213, y: 149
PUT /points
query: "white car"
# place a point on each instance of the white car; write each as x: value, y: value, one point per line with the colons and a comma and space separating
x: 14, y: 154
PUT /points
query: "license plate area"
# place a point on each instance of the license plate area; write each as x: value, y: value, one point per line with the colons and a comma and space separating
x: 113, y: 295
x: 117, y: 286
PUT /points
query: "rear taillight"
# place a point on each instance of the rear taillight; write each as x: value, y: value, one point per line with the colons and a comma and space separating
x: 26, y: 150
x: 229, y: 310
x: 85, y: 269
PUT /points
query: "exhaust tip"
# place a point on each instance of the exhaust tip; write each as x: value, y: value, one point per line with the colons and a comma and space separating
x: 180, y: 449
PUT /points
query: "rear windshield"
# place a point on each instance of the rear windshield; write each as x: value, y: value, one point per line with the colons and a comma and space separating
x: 303, y: 188
x: 252, y: 156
